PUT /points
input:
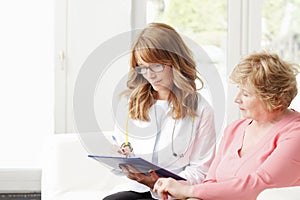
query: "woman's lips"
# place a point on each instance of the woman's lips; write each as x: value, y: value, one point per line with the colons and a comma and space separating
x: 155, y: 83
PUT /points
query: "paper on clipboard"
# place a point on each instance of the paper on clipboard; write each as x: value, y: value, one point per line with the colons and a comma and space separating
x: 142, y: 165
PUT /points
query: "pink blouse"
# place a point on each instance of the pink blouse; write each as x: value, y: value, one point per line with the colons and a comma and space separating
x: 275, y: 162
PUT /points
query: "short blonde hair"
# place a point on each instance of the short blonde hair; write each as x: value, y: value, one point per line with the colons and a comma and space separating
x: 273, y: 79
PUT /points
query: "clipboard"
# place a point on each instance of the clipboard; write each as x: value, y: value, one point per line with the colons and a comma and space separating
x: 139, y: 163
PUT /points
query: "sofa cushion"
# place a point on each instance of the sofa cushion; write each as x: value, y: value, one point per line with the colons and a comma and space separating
x: 68, y: 172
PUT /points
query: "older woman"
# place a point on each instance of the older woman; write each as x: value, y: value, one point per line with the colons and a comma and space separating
x: 260, y: 151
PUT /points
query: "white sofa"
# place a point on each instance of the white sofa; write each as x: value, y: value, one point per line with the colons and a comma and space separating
x: 287, y: 193
x: 68, y: 174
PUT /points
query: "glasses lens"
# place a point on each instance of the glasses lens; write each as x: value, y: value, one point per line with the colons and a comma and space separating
x: 156, y: 67
x: 140, y: 70
x: 152, y: 67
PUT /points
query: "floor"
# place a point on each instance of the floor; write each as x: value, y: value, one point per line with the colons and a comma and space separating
x: 20, y: 196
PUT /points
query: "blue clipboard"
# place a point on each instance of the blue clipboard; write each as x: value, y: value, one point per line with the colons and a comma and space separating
x: 142, y: 165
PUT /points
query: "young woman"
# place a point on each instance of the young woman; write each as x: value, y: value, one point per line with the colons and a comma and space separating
x: 166, y: 121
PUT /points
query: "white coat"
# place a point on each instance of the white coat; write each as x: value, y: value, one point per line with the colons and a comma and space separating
x: 194, y: 144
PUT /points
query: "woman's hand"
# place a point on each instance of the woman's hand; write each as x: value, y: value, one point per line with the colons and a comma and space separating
x: 134, y: 174
x: 126, y: 149
x: 169, y: 186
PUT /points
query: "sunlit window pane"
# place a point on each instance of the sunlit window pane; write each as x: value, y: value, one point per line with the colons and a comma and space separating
x: 281, y: 33
x: 26, y: 81
x: 205, y: 23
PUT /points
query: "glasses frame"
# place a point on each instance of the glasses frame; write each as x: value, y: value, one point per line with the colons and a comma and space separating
x: 150, y: 66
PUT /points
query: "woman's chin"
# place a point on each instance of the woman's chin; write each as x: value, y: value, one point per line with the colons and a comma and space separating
x: 158, y: 88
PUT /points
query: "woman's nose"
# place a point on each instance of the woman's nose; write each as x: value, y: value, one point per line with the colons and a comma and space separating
x: 237, y: 98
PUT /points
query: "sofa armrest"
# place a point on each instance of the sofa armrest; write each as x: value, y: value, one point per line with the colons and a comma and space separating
x: 290, y: 193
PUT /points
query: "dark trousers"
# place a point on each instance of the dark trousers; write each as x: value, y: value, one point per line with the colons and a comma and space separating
x: 129, y: 195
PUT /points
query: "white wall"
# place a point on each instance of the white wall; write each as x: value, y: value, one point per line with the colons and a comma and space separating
x: 27, y: 94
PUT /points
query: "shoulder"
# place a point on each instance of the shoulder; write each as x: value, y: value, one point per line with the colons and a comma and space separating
x: 205, y: 112
x: 294, y: 117
x: 203, y: 104
x: 290, y: 125
x: 204, y: 109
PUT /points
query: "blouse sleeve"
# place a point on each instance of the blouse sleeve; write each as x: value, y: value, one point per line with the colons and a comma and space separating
x: 280, y: 169
x: 204, y: 146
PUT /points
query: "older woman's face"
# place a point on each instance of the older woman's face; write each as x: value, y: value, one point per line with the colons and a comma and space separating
x: 250, y: 105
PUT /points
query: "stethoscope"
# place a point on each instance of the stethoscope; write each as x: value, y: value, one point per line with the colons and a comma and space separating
x: 174, y: 153
x: 181, y: 155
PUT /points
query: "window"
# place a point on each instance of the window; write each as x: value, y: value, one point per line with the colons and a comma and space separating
x: 205, y: 23
x: 280, y: 32
x: 26, y: 85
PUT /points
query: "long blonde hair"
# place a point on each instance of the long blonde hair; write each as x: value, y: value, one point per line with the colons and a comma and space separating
x: 160, y: 43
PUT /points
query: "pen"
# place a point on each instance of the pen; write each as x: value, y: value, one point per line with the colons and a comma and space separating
x: 114, y: 140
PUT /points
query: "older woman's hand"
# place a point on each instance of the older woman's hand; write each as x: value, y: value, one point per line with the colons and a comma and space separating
x: 169, y: 186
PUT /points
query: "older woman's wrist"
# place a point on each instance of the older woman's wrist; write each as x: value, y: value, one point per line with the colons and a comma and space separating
x: 189, y: 191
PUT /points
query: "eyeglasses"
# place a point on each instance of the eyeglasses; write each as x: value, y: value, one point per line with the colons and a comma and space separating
x: 153, y: 67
